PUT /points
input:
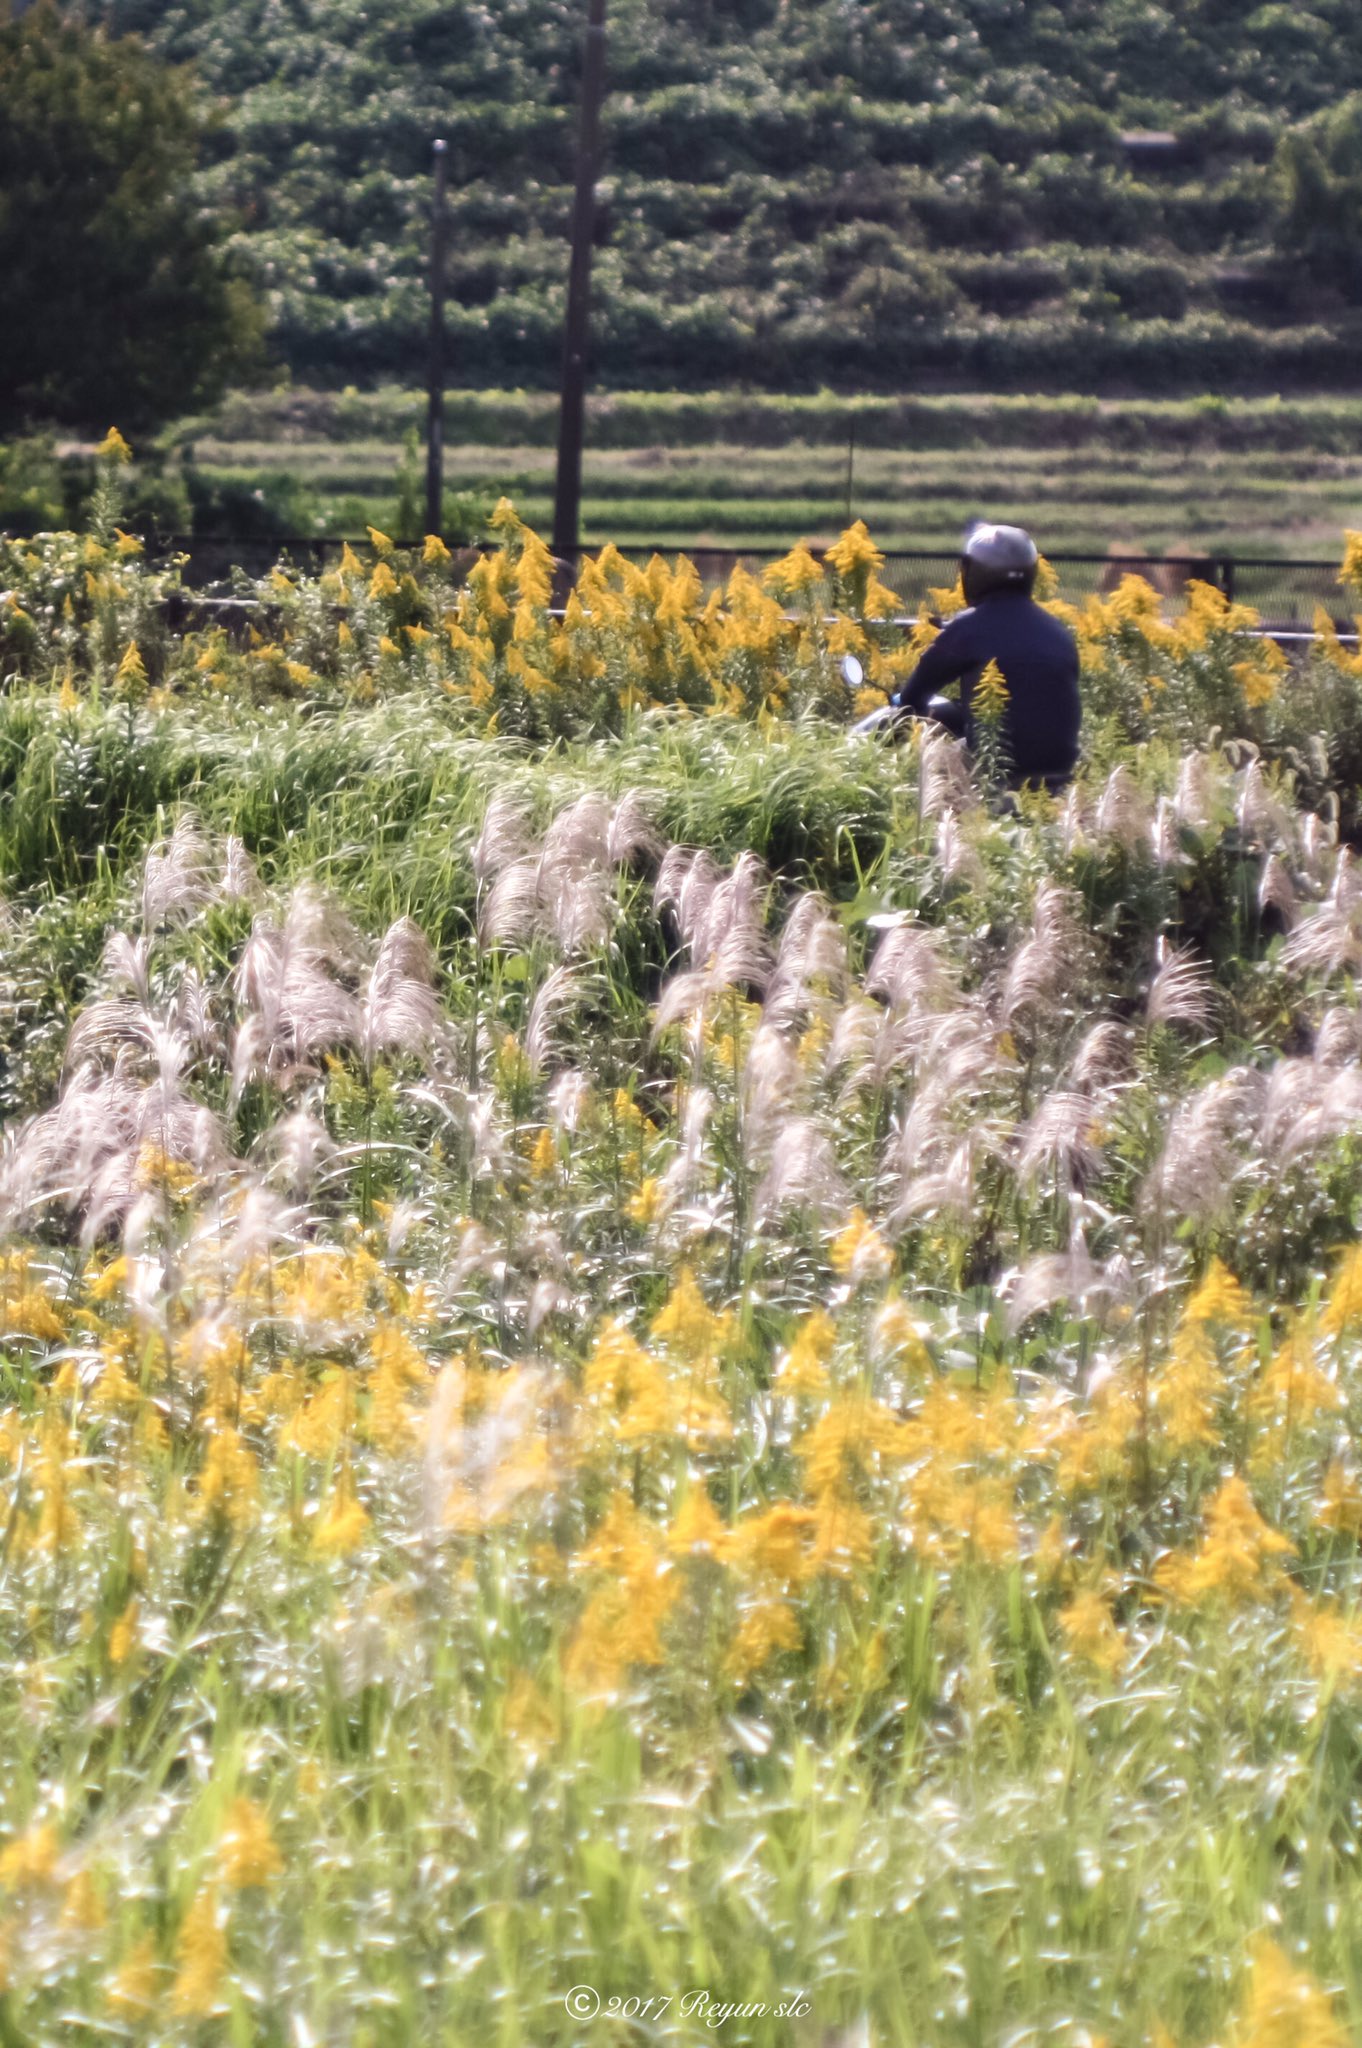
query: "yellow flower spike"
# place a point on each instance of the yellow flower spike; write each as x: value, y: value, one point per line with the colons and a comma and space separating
x: 31, y: 1859
x: 126, y: 544
x: 434, y: 553
x: 247, y: 1852
x: 379, y: 542
x: 123, y: 1634
x: 383, y: 583
x: 201, y: 1958
x: 346, y: 1522
x: 132, y: 668
x: 1284, y: 2007
x: 990, y: 700
x: 1236, y: 1557
x: 113, y: 448
x: 803, y: 1370
x: 350, y: 564
x: 83, y: 1906
x: 133, y: 1986
x: 697, y: 1529
x: 1219, y: 1298
x: 859, y: 1253
x: 1091, y: 1633
x: 544, y: 1156
x: 793, y: 575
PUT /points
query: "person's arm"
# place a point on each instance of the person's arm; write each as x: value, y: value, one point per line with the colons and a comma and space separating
x: 950, y: 656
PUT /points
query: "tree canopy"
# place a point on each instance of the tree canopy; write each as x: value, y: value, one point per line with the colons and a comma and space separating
x: 116, y: 295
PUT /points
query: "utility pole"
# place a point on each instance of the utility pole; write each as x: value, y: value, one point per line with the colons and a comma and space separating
x: 567, y: 496
x: 435, y: 377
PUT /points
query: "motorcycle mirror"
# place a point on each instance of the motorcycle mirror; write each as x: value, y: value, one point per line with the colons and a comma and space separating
x: 853, y: 674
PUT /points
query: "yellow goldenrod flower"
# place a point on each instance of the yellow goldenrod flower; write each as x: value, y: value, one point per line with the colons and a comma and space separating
x: 1237, y: 1553
x: 434, y: 552
x: 30, y: 1859
x: 990, y: 699
x: 803, y: 1370
x: 201, y: 1958
x: 1219, y: 1298
x: 859, y: 1253
x: 247, y: 1851
x: 1090, y: 1631
x: 1284, y: 2007
x: 113, y: 448
x: 379, y: 542
x: 132, y: 1988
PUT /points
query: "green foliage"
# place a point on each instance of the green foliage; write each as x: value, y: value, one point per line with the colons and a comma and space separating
x: 114, y: 296
x: 1319, y: 223
x: 869, y: 196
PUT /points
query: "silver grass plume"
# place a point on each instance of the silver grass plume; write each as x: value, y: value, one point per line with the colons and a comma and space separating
x: 956, y: 855
x: 568, y: 1098
x: 632, y: 836
x: 1182, y: 991
x: 1104, y: 1057
x: 943, y: 774
x: 811, y: 965
x: 1048, y: 964
x: 1165, y: 840
x: 1061, y: 1136
x: 1072, y: 1276
x: 1260, y: 811
x: 1307, y: 1106
x: 1195, y: 798
x: 177, y: 876
x: 298, y: 1146
x: 126, y: 963
x: 1195, y: 1174
x: 240, y: 883
x: 1122, y: 815
x: 910, y: 971
x: 803, y: 1173
x: 504, y: 837
x: 1339, y: 1038
x: 400, y: 1010
x: 1275, y: 892
x: 558, y: 994
x: 771, y: 1081
x: 510, y: 912
x: 684, y: 1170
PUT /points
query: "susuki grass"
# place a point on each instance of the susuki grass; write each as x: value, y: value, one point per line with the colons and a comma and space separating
x: 648, y: 1349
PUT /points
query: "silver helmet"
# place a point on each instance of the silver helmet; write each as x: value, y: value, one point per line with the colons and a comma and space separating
x: 997, y: 558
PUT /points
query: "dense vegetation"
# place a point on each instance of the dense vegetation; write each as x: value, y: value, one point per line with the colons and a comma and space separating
x: 647, y: 1350
x: 114, y: 293
x: 897, y: 192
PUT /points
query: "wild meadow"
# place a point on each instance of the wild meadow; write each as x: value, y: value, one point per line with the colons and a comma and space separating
x: 667, y: 1375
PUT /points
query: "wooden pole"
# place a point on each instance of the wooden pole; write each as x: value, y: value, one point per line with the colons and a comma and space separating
x: 435, y: 380
x: 567, y: 496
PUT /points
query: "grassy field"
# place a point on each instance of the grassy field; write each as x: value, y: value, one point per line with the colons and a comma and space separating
x: 1248, y: 478
x: 665, y: 1376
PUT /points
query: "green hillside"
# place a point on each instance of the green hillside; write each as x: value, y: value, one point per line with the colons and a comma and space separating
x: 898, y: 193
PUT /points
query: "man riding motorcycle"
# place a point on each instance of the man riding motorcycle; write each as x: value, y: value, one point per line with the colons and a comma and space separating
x: 1036, y: 654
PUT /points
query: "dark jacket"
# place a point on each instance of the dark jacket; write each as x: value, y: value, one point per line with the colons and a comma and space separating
x: 1039, y: 661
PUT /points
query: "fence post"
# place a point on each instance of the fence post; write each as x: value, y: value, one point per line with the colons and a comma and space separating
x: 435, y: 379
x: 1227, y: 577
x: 567, y: 490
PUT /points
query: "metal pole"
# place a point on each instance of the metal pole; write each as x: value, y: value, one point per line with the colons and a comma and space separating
x: 567, y: 496
x: 851, y: 463
x: 435, y: 381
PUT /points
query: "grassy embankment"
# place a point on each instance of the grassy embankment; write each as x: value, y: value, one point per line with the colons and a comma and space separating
x: 1272, y: 477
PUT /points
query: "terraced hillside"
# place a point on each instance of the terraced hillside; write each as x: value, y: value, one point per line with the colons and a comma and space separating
x: 902, y: 192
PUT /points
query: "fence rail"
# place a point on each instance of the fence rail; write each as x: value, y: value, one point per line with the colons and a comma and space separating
x: 1286, y: 592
